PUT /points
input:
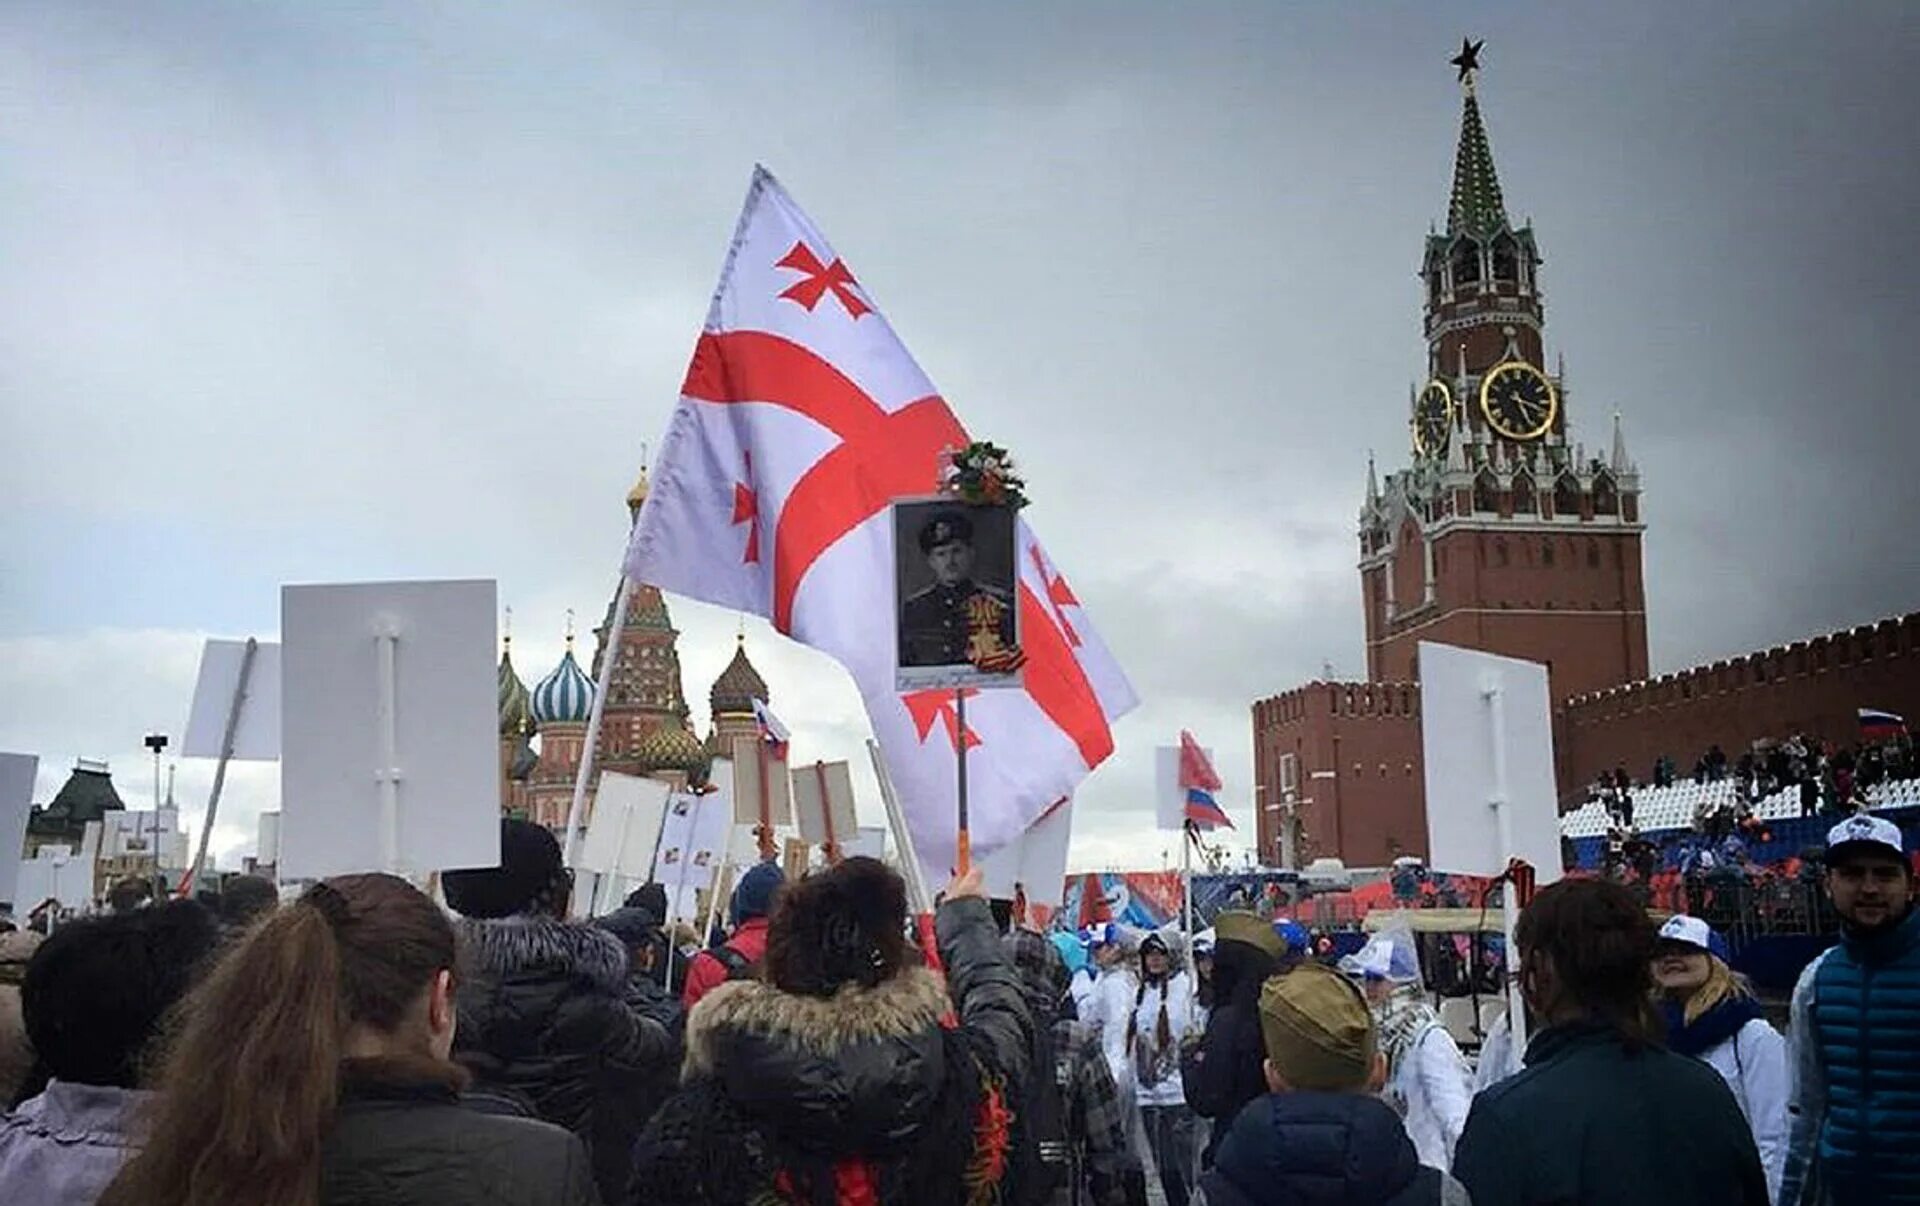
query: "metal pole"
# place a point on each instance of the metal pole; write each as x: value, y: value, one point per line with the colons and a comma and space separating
x: 1190, y: 835
x: 387, y: 727
x: 917, y: 893
x: 571, y: 847
x: 830, y: 846
x: 226, y: 756
x: 963, y: 840
x: 1509, y: 903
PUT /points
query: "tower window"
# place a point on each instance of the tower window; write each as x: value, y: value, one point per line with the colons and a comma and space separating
x: 1525, y: 497
x: 1485, y: 493
x: 1566, y: 497
x: 1506, y: 262
x: 1466, y: 263
x: 1606, y: 499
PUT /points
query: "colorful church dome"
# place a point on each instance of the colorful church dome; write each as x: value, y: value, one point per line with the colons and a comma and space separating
x: 516, y: 704
x: 566, y: 695
x: 671, y: 747
x: 738, y: 686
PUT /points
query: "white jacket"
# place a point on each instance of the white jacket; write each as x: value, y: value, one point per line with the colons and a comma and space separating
x: 1431, y: 1083
x: 1500, y: 1057
x: 1119, y: 997
x: 1754, y: 1065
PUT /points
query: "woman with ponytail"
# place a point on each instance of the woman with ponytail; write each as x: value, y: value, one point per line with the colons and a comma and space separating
x: 1143, y: 1049
x: 1712, y: 1015
x: 311, y: 1068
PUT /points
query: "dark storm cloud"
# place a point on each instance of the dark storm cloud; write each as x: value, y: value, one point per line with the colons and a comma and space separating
x: 303, y: 292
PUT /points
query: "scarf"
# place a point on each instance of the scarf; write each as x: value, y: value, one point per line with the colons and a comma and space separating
x: 1404, y: 1019
x: 1711, y: 1028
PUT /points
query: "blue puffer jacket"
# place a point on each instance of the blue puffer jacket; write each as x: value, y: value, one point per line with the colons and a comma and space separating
x: 1865, y: 1018
x: 1322, y: 1149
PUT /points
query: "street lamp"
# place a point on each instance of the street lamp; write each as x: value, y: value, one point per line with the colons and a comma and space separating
x: 157, y: 742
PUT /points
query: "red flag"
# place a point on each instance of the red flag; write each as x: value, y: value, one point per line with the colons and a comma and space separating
x: 1195, y: 770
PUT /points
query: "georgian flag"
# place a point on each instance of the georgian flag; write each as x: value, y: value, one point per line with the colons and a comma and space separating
x: 801, y: 419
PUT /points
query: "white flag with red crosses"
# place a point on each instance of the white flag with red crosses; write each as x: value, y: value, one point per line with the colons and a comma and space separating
x: 801, y: 419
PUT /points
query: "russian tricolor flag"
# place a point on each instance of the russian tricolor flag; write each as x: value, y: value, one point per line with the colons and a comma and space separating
x: 772, y: 731
x: 1203, y: 811
x: 1876, y: 725
x: 1200, y: 781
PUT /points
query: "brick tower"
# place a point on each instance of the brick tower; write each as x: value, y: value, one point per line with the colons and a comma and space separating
x: 1502, y: 534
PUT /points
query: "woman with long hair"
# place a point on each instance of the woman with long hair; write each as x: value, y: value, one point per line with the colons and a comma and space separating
x: 1712, y: 1015
x: 1143, y: 1049
x: 847, y: 1072
x: 310, y: 1068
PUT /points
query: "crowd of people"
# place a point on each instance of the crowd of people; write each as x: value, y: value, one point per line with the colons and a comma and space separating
x: 366, y: 1044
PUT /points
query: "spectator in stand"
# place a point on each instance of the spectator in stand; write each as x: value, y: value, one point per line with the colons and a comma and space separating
x: 1320, y: 1134
x: 1856, y: 1011
x: 739, y: 957
x: 311, y: 1069
x: 841, y: 1074
x: 1603, y: 1113
x: 94, y: 998
x: 1711, y: 1014
x: 1716, y: 763
x: 1225, y: 1070
x: 545, y: 1019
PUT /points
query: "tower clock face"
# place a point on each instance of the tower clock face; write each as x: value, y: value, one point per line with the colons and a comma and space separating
x: 1518, y: 400
x: 1433, y: 419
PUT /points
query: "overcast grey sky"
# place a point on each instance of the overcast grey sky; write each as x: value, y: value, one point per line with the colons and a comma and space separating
x: 299, y: 292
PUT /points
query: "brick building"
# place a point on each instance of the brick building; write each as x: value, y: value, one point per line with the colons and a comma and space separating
x: 1505, y: 533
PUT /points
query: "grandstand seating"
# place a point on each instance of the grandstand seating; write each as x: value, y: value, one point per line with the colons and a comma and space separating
x: 1660, y: 809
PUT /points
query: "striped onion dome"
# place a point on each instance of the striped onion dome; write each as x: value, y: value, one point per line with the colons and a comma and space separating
x: 516, y: 704
x: 671, y: 747
x: 565, y: 696
x: 738, y: 686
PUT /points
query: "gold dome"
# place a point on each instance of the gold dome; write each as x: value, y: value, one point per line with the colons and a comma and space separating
x: 672, y: 748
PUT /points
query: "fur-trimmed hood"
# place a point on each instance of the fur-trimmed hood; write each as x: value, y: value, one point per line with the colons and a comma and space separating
x: 858, y: 1071
x: 514, y: 947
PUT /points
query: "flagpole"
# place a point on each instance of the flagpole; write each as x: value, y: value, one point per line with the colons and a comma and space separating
x: 917, y: 893
x: 608, y: 654
x: 831, y: 847
x: 765, y: 830
x: 963, y: 840
x: 1190, y: 832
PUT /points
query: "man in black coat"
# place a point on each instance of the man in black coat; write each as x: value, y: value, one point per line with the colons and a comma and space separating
x: 545, y: 1016
x: 1224, y: 1072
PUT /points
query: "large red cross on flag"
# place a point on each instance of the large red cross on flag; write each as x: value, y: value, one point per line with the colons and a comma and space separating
x: 797, y: 374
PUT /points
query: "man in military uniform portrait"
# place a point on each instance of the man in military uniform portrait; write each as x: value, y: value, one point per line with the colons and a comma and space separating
x: 940, y: 623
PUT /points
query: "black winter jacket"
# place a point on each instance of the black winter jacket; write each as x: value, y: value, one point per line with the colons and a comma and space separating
x: 1225, y: 1072
x: 544, y: 1016
x: 865, y: 1086
x: 1590, y: 1121
x: 1322, y: 1149
x: 402, y: 1139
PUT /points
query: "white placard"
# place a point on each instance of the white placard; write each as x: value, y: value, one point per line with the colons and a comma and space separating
x: 821, y: 791
x: 627, y: 812
x: 266, y: 849
x: 17, y: 773
x: 1036, y: 863
x: 257, y: 736
x: 869, y: 841
x: 1169, y: 798
x: 1458, y: 736
x: 445, y: 728
x: 54, y: 874
x: 692, y: 842
x: 746, y: 782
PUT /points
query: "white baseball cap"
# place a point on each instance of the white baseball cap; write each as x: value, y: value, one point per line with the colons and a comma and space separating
x: 1693, y: 932
x: 1864, y: 830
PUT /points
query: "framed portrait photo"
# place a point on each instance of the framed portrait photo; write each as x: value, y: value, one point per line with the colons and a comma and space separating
x: 956, y: 593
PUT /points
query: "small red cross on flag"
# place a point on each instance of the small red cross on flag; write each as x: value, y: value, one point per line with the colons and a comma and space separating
x: 821, y: 278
